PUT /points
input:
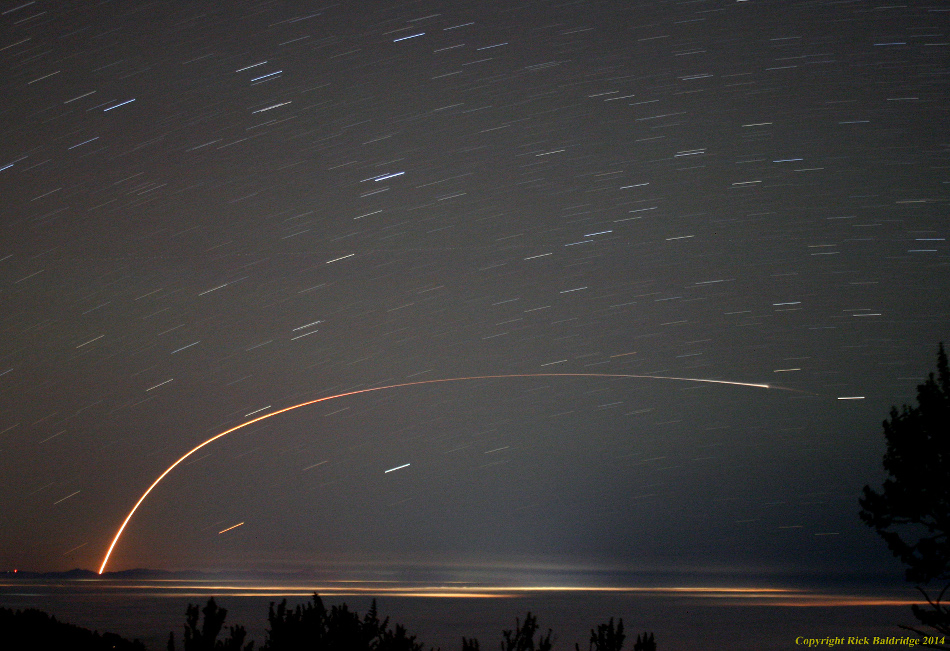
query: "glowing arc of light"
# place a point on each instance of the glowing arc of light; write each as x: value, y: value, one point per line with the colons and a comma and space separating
x: 155, y: 483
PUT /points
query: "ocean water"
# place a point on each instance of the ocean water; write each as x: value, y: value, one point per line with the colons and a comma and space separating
x: 683, y: 619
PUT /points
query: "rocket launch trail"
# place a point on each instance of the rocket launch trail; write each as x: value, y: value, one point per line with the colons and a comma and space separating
x: 258, y: 419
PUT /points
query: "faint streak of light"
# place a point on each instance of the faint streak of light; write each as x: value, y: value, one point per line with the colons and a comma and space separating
x: 85, y: 142
x: 256, y: 411
x: 537, y: 256
x: 184, y: 347
x: 251, y: 66
x: 158, y: 385
x: 387, y: 387
x: 204, y: 145
x: 375, y: 212
x: 313, y: 466
x: 598, y: 233
x: 263, y: 343
x: 67, y: 553
x: 43, y: 77
x: 9, y: 165
x: 229, y: 528
x: 28, y: 277
x: 851, y: 398
x: 66, y: 498
x: 271, y: 107
x: 495, y: 450
x: 118, y: 105
x: 405, y: 465
x: 165, y: 332
x: 306, y: 334
x: 42, y: 488
x: 50, y: 438
x: 341, y: 258
x: 1, y: 375
x: 568, y: 291
x: 636, y: 185
x: 267, y: 75
x: 95, y: 308
x: 786, y: 370
x: 560, y: 361
x: 213, y: 289
x: 403, y: 38
x: 90, y: 341
x: 18, y: 7
x: 79, y: 97
x: 7, y: 47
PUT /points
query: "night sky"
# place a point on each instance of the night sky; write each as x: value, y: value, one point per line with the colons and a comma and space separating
x: 214, y: 210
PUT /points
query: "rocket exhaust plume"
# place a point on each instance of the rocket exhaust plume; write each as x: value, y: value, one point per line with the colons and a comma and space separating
x: 162, y: 476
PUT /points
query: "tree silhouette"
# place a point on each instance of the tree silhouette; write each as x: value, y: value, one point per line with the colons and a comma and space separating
x: 311, y: 626
x: 205, y: 637
x: 912, y: 511
x: 647, y: 643
x: 607, y: 638
x: 522, y: 638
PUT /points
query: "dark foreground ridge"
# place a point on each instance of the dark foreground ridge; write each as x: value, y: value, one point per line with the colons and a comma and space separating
x: 34, y: 629
x: 308, y: 626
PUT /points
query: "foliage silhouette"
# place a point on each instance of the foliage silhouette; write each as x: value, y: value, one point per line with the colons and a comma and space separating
x: 522, y: 637
x: 470, y: 645
x: 607, y: 638
x: 912, y: 512
x: 33, y: 629
x: 205, y: 638
x: 647, y: 643
x: 311, y: 626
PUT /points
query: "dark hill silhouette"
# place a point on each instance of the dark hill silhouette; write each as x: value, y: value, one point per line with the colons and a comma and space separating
x: 31, y: 629
x: 309, y: 626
